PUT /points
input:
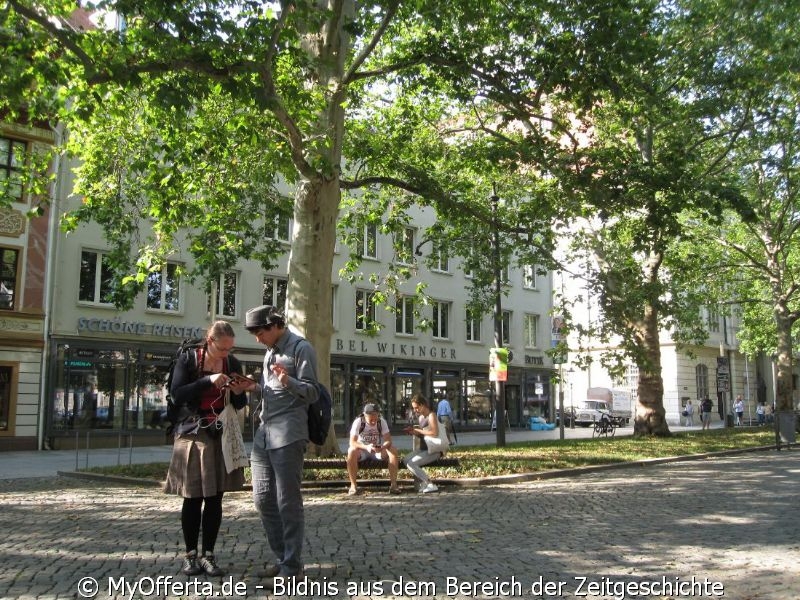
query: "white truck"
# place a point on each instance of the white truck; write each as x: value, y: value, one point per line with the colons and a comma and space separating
x: 618, y: 401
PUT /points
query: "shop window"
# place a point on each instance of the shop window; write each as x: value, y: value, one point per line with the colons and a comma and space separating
x: 369, y: 386
x: 365, y: 310
x: 12, y: 161
x: 478, y: 401
x: 531, y: 330
x: 6, y: 405
x: 9, y: 260
x: 227, y: 295
x: 273, y: 292
x: 404, y: 317
x: 163, y: 289
x: 441, y: 320
x: 96, y: 278
x: 473, y: 322
x: 338, y: 388
x: 407, y: 382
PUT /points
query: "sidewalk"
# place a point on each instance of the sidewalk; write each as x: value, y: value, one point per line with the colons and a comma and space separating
x: 727, y: 522
x: 47, y: 463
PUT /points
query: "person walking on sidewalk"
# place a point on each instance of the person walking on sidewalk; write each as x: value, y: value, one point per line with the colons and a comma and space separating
x: 427, y: 432
x: 738, y: 408
x: 688, y: 413
x: 197, y: 470
x: 289, y: 384
x: 445, y: 415
x: 706, y: 406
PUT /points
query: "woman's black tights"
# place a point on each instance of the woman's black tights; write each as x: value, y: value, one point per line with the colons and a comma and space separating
x: 194, y: 516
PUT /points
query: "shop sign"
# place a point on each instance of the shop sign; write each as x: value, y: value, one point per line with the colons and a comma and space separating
x: 394, y: 349
x: 120, y: 327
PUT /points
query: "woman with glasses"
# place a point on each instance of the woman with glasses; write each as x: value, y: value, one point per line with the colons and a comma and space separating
x: 201, y: 380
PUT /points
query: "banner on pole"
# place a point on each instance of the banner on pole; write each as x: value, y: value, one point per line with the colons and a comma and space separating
x: 498, y: 364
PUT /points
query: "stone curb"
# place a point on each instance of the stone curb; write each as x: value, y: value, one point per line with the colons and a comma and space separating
x: 469, y: 482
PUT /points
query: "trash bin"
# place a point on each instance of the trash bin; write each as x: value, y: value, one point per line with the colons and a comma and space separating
x: 728, y: 420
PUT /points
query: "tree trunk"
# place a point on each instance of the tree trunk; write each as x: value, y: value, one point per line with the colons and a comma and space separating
x: 650, y: 404
x: 310, y: 264
x: 783, y: 367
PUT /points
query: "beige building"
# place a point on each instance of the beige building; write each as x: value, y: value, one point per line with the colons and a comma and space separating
x: 718, y: 369
x: 106, y: 368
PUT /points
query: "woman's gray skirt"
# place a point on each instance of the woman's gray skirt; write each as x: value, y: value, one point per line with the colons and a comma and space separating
x: 197, y: 469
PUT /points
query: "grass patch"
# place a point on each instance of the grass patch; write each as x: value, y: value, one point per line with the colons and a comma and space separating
x: 530, y: 457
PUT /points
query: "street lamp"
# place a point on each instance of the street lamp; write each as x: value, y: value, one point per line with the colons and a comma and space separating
x: 499, y: 386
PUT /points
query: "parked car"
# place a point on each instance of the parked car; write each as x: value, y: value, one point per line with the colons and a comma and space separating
x: 588, y: 411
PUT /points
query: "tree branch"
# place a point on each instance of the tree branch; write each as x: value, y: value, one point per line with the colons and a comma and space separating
x: 350, y: 75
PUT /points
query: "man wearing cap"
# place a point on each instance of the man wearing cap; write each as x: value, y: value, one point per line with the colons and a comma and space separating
x: 370, y: 439
x: 288, y: 387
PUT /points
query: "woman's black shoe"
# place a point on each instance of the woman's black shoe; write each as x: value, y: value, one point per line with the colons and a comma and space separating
x: 190, y: 566
x: 209, y: 565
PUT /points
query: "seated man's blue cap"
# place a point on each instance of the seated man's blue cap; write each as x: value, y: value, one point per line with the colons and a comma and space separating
x: 370, y: 408
x: 263, y: 316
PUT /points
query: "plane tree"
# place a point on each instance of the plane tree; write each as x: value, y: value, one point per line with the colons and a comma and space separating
x: 217, y: 119
x: 647, y: 151
x: 754, y: 253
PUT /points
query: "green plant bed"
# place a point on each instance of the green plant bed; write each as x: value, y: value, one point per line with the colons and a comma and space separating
x: 530, y: 457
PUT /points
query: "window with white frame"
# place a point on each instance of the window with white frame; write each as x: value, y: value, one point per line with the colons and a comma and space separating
x: 441, y: 320
x: 405, y: 246
x: 281, y: 228
x: 529, y: 277
x: 9, y: 261
x: 12, y: 161
x: 505, y: 328
x: 531, y: 329
x: 227, y: 295
x: 473, y: 322
x: 365, y: 310
x: 163, y: 289
x: 404, y: 317
x: 94, y: 283
x: 273, y: 292
x: 369, y: 241
x: 442, y: 260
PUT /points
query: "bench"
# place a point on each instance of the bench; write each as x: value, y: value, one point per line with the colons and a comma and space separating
x: 370, y: 463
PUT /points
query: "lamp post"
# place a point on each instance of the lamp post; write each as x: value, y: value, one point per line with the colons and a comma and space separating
x: 499, y: 386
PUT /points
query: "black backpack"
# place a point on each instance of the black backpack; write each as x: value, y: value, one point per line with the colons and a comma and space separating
x: 175, y: 413
x: 320, y: 413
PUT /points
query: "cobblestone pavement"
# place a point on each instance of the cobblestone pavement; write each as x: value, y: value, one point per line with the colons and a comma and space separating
x: 731, y: 523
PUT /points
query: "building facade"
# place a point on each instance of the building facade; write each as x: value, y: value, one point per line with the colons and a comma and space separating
x: 717, y: 369
x: 23, y: 266
x: 106, y: 368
